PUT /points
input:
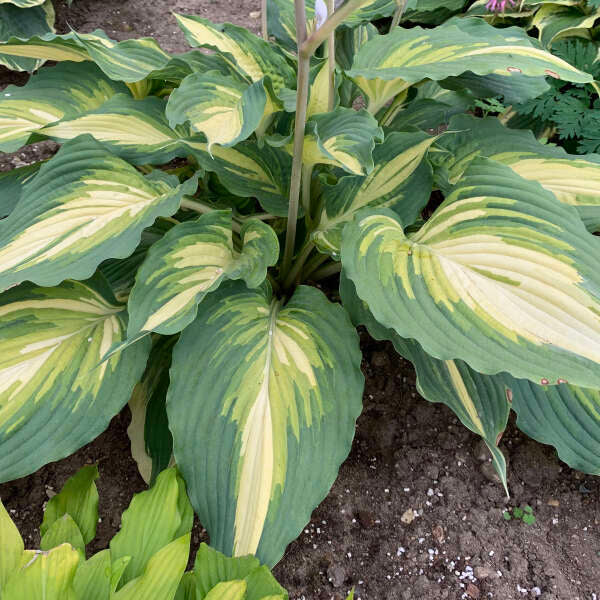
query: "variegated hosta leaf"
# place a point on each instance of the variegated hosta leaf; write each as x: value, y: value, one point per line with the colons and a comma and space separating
x: 344, y: 138
x: 573, y: 179
x: 249, y: 171
x: 479, y: 401
x: 554, y: 22
x: 247, y: 53
x: 45, y: 575
x: 502, y: 276
x: 564, y: 416
x: 135, y: 130
x: 11, y: 185
x: 280, y: 413
x: 64, y: 91
x: 27, y: 51
x: 401, y: 180
x: 23, y: 3
x: 23, y: 22
x: 318, y: 94
x: 53, y: 396
x: 84, y: 206
x: 129, y: 61
x: 459, y: 45
x: 193, y: 259
x: 226, y: 109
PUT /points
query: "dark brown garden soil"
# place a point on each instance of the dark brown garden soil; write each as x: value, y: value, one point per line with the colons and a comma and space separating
x: 415, y: 513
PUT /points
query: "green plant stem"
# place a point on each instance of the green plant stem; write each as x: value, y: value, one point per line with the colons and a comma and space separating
x: 313, y: 264
x: 199, y: 207
x: 326, y: 271
x: 296, y: 176
x: 398, y: 14
x: 294, y: 273
x: 308, y: 47
x: 331, y: 57
x: 306, y: 183
x: 260, y: 216
x: 264, y: 22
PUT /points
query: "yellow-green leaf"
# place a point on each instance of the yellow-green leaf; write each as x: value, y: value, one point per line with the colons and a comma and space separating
x: 11, y: 547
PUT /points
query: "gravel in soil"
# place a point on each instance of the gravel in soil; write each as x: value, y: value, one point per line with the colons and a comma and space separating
x: 416, y: 512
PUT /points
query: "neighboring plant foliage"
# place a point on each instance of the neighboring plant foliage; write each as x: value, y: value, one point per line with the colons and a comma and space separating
x: 167, y: 255
x: 146, y: 559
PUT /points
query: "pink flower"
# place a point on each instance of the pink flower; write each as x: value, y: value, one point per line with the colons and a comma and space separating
x: 499, y: 5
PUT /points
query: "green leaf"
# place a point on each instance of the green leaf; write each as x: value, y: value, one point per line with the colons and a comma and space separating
x: 573, y: 179
x: 63, y: 531
x: 23, y: 3
x: 281, y: 413
x: 400, y: 180
x: 93, y: 577
x: 135, y: 130
x: 162, y: 574
x: 193, y: 259
x: 481, y: 402
x: 555, y: 22
x: 129, y: 61
x: 212, y: 567
x: 250, y: 171
x: 153, y: 520
x: 11, y: 185
x: 187, y: 587
x: 225, y: 109
x: 344, y: 138
x: 250, y: 55
x: 151, y: 440
x: 64, y: 91
x: 19, y: 21
x: 502, y: 276
x: 564, y: 416
x: 79, y: 499
x: 459, y: 45
x: 46, y: 576
x: 16, y: 50
x: 84, y: 206
x: 12, y: 547
x: 54, y: 397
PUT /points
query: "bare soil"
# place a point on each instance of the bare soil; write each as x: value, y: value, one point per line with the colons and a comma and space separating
x: 415, y: 512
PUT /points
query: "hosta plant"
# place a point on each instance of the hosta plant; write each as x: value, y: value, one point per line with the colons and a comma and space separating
x: 174, y: 245
x: 146, y: 559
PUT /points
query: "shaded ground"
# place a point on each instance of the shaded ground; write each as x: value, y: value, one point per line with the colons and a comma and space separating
x: 415, y: 513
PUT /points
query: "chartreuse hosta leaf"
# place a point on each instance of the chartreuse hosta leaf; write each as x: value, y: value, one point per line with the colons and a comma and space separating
x: 226, y: 109
x: 92, y: 579
x: 84, y: 206
x: 479, y: 401
x: 64, y: 91
x: 135, y: 130
x: 573, y: 179
x: 12, y: 547
x: 252, y: 56
x: 193, y: 259
x: 53, y: 399
x: 459, y: 45
x: 249, y: 171
x: 344, y: 138
x: 401, y: 180
x: 45, y: 575
x: 154, y: 519
x: 79, y: 499
x: 565, y: 416
x: 213, y: 569
x: 24, y: 22
x: 280, y: 415
x: 162, y: 574
x: 502, y: 276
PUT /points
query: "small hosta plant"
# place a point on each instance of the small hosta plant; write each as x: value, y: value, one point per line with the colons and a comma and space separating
x: 176, y: 243
x: 146, y: 559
